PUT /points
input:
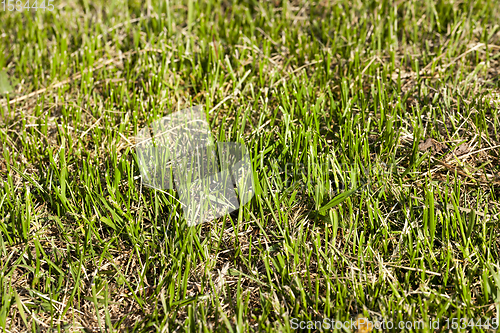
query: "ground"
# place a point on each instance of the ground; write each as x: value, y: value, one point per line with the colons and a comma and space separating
x: 373, y: 128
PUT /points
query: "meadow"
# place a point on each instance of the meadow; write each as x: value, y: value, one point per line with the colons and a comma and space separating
x: 373, y: 130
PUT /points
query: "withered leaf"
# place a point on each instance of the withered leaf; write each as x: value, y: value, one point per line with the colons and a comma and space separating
x: 462, y: 149
x: 437, y: 147
x: 424, y: 146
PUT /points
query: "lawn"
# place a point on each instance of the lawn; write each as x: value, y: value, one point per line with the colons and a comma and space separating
x: 373, y: 129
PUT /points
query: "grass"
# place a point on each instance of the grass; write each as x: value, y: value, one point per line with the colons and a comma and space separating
x: 352, y: 215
